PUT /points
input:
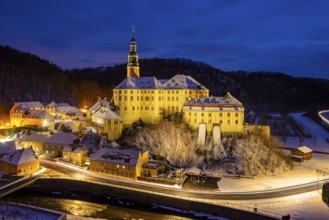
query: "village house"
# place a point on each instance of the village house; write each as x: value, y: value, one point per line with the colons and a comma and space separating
x: 53, y: 146
x: 36, y: 142
x: 153, y: 168
x: 105, y: 120
x: 30, y: 114
x: 76, y: 154
x: 21, y: 162
x: 119, y: 162
x: 301, y: 154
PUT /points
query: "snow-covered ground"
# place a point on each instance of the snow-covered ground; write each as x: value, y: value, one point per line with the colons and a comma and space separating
x: 305, y: 206
x: 318, y: 143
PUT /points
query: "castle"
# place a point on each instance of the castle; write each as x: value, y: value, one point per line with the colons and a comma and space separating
x: 150, y: 99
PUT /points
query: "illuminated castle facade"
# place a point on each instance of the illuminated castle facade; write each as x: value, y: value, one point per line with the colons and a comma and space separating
x: 149, y: 99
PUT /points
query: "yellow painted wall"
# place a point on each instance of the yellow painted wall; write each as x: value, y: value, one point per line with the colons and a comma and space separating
x: 36, y: 146
x: 149, y: 105
x: 230, y: 119
x: 20, y: 170
x: 120, y: 170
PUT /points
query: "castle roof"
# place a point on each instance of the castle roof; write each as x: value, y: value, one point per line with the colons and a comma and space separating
x: 176, y: 82
x: 227, y: 100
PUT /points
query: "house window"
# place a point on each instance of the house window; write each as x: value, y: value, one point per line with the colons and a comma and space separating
x: 228, y: 114
x: 220, y: 114
x: 236, y: 122
x: 228, y: 122
x: 131, y: 98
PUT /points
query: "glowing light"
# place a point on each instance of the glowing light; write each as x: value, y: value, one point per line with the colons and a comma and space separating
x: 45, y: 122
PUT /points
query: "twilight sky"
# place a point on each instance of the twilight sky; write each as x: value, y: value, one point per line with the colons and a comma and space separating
x: 290, y: 36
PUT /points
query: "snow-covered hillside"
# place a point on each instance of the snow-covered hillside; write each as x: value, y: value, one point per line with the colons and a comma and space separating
x: 241, y: 156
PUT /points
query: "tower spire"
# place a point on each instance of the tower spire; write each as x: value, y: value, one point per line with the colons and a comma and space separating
x: 133, y: 65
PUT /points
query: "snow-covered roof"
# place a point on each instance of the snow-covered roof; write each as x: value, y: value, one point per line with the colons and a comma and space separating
x: 54, y: 104
x: 67, y: 110
x: 305, y: 149
x: 70, y: 125
x: 98, y: 104
x: 183, y: 82
x: 152, y: 164
x: 29, y: 105
x: 105, y: 113
x: 227, y: 100
x: 117, y: 155
x: 76, y: 148
x: 193, y: 171
x: 61, y: 138
x: 39, y: 114
x: 149, y: 82
x: 36, y: 137
x: 176, y: 82
x: 7, y: 147
x: 22, y: 156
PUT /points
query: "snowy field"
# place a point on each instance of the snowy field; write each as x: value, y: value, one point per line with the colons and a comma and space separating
x: 318, y: 143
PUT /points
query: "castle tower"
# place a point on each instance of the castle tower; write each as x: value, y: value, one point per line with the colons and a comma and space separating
x: 132, y: 65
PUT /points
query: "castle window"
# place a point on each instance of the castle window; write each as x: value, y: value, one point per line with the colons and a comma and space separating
x: 236, y: 122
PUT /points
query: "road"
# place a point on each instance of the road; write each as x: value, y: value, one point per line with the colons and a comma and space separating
x: 148, y: 188
x: 322, y: 117
x: 9, y: 188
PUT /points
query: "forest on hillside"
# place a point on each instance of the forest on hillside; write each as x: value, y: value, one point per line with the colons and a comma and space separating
x: 26, y: 77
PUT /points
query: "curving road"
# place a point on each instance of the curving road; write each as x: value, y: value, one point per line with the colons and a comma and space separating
x: 148, y: 188
x: 322, y: 117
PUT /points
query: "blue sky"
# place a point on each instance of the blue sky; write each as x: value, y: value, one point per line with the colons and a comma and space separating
x: 290, y: 36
